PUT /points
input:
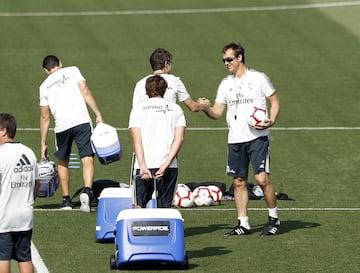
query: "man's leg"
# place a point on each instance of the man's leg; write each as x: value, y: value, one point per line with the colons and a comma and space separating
x: 273, y: 224
x: 64, y: 178
x: 5, y: 266
x: 241, y: 197
x: 269, y: 190
x: 88, y: 176
x: 88, y: 170
x: 26, y: 267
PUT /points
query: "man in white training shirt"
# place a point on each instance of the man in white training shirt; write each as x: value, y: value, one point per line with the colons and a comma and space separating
x: 65, y: 94
x: 243, y: 89
x: 19, y: 183
x: 157, y: 128
x: 161, y: 64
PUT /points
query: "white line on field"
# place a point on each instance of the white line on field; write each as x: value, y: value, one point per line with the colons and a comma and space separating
x: 37, y: 260
x: 225, y: 128
x: 180, y: 11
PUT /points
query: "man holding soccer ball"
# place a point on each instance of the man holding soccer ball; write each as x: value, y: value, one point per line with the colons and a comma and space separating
x: 248, y: 142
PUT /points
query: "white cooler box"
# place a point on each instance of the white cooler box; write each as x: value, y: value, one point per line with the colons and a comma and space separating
x: 106, y: 143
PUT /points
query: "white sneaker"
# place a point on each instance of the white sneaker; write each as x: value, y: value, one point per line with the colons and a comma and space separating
x: 85, y: 202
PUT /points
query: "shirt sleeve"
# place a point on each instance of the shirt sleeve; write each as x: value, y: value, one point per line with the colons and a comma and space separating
x: 221, y: 92
x: 135, y: 118
x: 182, y: 92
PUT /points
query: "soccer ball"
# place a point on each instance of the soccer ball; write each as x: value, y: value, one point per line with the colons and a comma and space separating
x: 216, y: 194
x: 256, y: 116
x: 202, y: 196
x: 183, y: 197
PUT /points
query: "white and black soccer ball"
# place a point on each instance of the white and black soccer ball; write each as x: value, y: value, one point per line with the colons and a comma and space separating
x: 183, y: 197
x: 216, y: 194
x: 256, y: 115
x: 202, y: 196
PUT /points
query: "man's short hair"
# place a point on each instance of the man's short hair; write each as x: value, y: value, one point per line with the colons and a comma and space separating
x: 8, y: 122
x: 159, y: 58
x: 237, y: 48
x: 50, y: 62
x: 155, y: 86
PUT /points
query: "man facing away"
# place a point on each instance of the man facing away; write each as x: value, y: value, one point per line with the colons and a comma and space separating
x: 157, y: 128
x: 161, y: 64
x: 19, y: 183
x: 65, y: 94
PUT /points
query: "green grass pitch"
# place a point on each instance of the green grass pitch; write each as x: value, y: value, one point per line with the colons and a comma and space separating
x: 309, y: 49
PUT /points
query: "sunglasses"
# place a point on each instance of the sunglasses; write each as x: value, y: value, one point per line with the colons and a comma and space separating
x: 228, y: 60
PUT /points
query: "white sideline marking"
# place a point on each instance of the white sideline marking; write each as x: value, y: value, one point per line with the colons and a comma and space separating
x: 180, y: 11
x: 38, y: 262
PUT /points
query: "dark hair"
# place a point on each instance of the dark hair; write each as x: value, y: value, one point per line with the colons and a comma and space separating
x: 50, y: 62
x: 238, y: 50
x: 8, y: 122
x: 159, y: 58
x: 155, y: 86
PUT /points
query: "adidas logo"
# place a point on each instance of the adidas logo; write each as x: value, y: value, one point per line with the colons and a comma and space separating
x: 23, y: 165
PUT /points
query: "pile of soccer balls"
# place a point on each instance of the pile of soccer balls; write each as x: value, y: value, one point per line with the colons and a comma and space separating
x: 200, y: 196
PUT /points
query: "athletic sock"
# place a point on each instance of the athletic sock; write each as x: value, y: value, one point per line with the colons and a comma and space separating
x: 273, y: 213
x: 244, y: 222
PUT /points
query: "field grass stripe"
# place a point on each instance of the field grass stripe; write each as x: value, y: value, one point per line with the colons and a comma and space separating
x: 180, y: 11
x: 280, y: 209
x: 225, y: 209
x: 225, y: 128
x: 37, y: 260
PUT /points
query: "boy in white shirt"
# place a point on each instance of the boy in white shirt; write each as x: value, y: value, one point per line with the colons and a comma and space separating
x: 19, y: 183
x: 157, y: 128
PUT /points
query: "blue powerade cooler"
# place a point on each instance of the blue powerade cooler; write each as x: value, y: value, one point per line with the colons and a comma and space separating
x: 149, y: 237
x: 111, y: 202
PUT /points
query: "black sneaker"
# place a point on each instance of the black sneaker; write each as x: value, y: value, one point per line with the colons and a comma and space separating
x: 238, y: 230
x: 272, y: 227
x: 85, y: 200
x: 66, y: 204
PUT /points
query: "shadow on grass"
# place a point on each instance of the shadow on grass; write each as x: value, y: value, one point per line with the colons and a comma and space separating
x: 76, y: 204
x: 206, y: 252
x: 47, y: 206
x: 288, y: 226
x: 191, y: 231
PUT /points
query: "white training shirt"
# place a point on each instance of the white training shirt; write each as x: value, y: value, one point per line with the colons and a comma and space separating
x: 240, y: 95
x: 61, y: 93
x: 18, y: 171
x: 175, y: 89
x: 157, y: 120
